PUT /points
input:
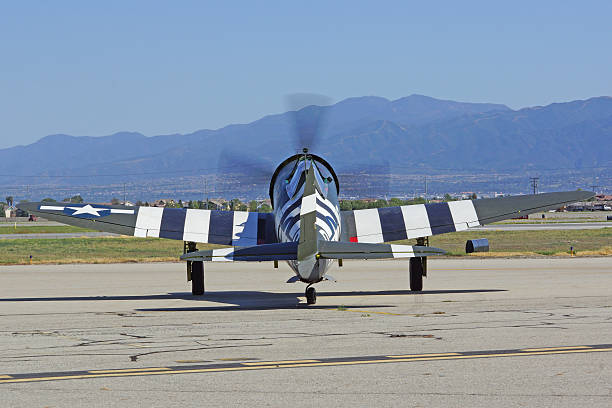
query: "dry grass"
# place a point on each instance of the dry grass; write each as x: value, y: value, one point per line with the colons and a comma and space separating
x: 41, y: 229
x: 528, y: 243
x: 129, y: 249
x: 91, y: 250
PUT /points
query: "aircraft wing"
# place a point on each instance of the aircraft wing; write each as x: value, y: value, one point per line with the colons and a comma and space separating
x: 236, y: 228
x: 422, y: 220
x: 287, y: 251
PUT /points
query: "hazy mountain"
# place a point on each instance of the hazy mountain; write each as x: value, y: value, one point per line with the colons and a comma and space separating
x: 412, y: 133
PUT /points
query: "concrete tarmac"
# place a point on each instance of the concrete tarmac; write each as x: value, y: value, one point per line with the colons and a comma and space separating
x: 485, y: 332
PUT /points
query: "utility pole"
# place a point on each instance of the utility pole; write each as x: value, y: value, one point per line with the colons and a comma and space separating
x: 534, y: 184
x: 425, y: 189
x: 206, y: 191
x: 124, y: 194
x: 594, y: 188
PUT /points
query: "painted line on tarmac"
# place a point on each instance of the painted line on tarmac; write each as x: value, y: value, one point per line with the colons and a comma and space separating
x: 125, y: 370
x: 425, y: 355
x: 367, y: 311
x: 322, y: 362
x: 260, y: 363
x: 555, y: 348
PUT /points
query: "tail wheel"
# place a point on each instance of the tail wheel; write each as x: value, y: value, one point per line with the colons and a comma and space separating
x: 311, y: 295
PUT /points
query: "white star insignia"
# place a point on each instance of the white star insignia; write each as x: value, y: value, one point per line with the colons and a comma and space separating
x: 88, y: 209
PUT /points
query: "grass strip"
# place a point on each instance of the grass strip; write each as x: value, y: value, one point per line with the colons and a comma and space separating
x: 596, y: 242
x: 91, y: 250
x: 526, y: 243
x: 41, y: 229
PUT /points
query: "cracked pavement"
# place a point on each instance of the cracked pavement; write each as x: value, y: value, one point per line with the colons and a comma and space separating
x: 131, y: 316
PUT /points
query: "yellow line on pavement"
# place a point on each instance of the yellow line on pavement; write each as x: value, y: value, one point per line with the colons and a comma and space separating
x: 123, y: 370
x: 425, y: 355
x: 5, y: 376
x: 556, y: 348
x: 138, y: 345
x: 163, y: 370
x: 261, y: 363
x: 366, y: 311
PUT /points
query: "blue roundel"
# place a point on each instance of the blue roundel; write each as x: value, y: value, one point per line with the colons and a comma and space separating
x: 86, y: 211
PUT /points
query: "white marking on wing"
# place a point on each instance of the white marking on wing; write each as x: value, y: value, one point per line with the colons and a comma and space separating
x: 367, y: 224
x: 464, y: 214
x: 120, y: 211
x: 245, y: 228
x: 416, y: 221
x: 51, y: 207
x: 148, y: 222
x: 197, y: 223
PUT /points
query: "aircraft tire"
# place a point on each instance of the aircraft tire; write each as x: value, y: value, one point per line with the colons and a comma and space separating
x: 311, y: 295
x: 197, y: 278
x: 416, y: 274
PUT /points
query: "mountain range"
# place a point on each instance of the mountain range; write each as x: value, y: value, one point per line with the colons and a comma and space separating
x: 414, y: 134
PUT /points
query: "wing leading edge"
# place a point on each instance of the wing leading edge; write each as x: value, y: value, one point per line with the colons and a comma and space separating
x: 236, y: 228
x: 422, y: 220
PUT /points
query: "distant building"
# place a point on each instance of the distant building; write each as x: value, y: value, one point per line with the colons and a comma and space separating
x: 163, y: 202
x: 219, y: 203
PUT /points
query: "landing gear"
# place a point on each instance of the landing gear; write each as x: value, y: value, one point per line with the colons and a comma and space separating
x: 311, y: 295
x: 195, y: 270
x: 197, y: 278
x: 417, y: 270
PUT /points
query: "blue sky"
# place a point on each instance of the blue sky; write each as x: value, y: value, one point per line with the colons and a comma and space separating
x: 94, y: 68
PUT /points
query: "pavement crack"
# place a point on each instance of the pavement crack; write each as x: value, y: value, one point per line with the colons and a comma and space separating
x: 135, y: 357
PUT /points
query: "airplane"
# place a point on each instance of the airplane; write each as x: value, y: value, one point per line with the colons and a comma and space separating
x: 306, y: 227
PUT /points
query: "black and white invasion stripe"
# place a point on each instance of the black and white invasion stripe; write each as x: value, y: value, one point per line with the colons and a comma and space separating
x: 410, y: 221
x: 236, y: 228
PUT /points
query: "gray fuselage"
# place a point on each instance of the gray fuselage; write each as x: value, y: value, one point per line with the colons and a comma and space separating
x: 287, y: 191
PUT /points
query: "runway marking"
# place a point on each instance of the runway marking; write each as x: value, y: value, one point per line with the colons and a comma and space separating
x: 425, y: 355
x: 138, y: 345
x: 367, y: 311
x: 323, y: 362
x: 280, y: 362
x: 555, y: 348
x: 191, y: 361
x: 123, y: 370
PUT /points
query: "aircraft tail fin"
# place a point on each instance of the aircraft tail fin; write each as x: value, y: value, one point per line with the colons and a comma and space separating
x: 308, y: 217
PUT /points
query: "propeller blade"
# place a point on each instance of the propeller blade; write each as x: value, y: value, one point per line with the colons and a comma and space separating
x: 253, y: 170
x: 308, y: 112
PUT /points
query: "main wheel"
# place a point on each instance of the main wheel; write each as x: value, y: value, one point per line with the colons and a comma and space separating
x: 197, y: 278
x: 311, y: 295
x: 416, y: 274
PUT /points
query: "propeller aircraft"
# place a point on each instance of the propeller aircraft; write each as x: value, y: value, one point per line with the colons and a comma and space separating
x: 306, y: 228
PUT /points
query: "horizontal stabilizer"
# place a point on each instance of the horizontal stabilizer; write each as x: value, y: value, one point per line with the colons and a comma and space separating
x: 347, y: 250
x: 286, y: 251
